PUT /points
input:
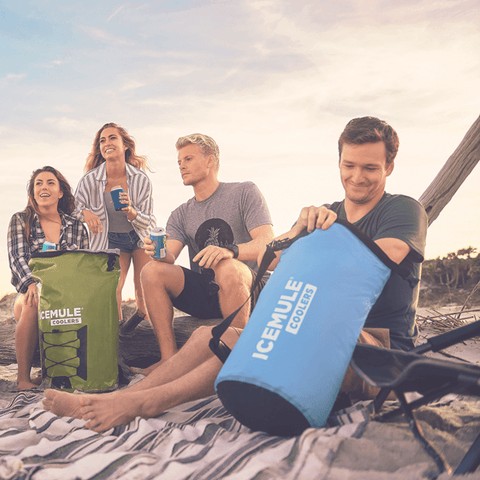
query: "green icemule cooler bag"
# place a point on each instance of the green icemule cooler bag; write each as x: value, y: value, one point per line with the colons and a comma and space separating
x: 78, y: 318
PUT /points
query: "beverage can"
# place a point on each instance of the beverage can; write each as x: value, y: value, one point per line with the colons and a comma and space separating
x: 115, y: 193
x: 48, y: 246
x: 159, y: 238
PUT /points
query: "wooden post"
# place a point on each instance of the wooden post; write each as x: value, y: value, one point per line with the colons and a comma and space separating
x: 452, y: 175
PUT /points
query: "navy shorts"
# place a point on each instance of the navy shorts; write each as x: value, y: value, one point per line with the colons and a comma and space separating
x: 125, y: 242
x: 199, y: 297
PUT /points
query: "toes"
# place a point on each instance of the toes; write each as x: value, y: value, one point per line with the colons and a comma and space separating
x: 50, y: 393
x: 87, y: 414
x: 94, y: 424
x: 25, y: 386
x: 100, y: 428
x: 85, y: 400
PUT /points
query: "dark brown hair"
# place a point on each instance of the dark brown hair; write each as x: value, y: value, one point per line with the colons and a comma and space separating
x: 66, y: 204
x: 370, y: 130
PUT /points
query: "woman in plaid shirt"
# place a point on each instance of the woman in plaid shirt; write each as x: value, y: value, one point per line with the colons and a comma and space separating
x: 47, y: 217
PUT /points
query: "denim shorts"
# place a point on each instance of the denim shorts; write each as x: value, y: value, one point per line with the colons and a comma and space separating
x: 125, y: 242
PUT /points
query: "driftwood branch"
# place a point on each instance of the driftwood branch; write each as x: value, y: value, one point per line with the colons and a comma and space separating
x: 453, y: 174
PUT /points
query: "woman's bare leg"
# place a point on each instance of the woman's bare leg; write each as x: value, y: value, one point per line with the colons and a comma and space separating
x: 26, y: 338
x: 140, y: 259
x: 125, y: 258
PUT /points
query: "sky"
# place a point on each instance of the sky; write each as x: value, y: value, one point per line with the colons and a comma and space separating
x: 272, y: 81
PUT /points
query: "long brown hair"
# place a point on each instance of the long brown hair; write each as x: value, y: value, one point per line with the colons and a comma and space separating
x: 95, y: 158
x: 66, y: 204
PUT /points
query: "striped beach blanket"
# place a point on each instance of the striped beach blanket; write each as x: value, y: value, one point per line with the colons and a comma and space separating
x: 200, y: 440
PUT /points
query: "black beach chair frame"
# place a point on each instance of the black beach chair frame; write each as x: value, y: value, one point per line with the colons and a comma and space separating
x: 402, y: 372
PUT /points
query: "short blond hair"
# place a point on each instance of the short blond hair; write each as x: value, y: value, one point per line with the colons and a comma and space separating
x: 206, y: 143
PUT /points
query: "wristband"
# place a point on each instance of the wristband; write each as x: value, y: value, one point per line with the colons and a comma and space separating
x: 233, y: 248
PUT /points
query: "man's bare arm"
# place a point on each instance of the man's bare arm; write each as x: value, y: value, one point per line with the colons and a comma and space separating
x: 174, y: 247
x: 211, y: 255
x: 309, y: 219
x: 394, y: 248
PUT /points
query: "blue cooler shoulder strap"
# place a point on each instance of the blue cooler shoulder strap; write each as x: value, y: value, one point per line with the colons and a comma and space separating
x: 217, y: 346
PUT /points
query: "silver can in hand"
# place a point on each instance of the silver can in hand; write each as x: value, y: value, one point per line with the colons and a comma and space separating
x: 48, y: 246
x: 159, y: 238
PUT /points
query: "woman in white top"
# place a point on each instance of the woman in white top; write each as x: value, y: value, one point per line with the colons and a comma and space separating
x: 113, y: 162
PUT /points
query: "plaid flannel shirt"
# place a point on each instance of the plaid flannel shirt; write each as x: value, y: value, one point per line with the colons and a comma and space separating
x: 73, y: 236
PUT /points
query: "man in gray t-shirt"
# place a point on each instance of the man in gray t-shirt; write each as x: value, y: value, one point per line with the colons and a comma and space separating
x: 225, y: 227
x: 225, y: 218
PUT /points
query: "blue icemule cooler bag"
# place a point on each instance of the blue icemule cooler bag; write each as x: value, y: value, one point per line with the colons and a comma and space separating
x: 286, y: 369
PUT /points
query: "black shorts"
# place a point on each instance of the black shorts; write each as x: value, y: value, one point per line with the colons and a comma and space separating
x: 199, y: 297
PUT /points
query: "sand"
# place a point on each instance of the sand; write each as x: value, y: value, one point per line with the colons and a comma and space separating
x: 363, y: 450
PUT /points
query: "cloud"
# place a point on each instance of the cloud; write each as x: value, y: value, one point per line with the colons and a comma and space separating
x: 274, y: 82
x: 11, y: 78
x: 62, y: 123
x: 131, y: 85
x: 368, y: 63
x: 115, y: 12
x: 106, y: 37
x: 56, y: 63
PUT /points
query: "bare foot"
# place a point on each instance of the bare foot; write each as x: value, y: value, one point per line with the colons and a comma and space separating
x: 26, y: 385
x: 63, y: 404
x: 103, y: 412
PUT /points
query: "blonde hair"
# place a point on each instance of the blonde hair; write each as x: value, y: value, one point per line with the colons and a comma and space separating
x: 206, y: 143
